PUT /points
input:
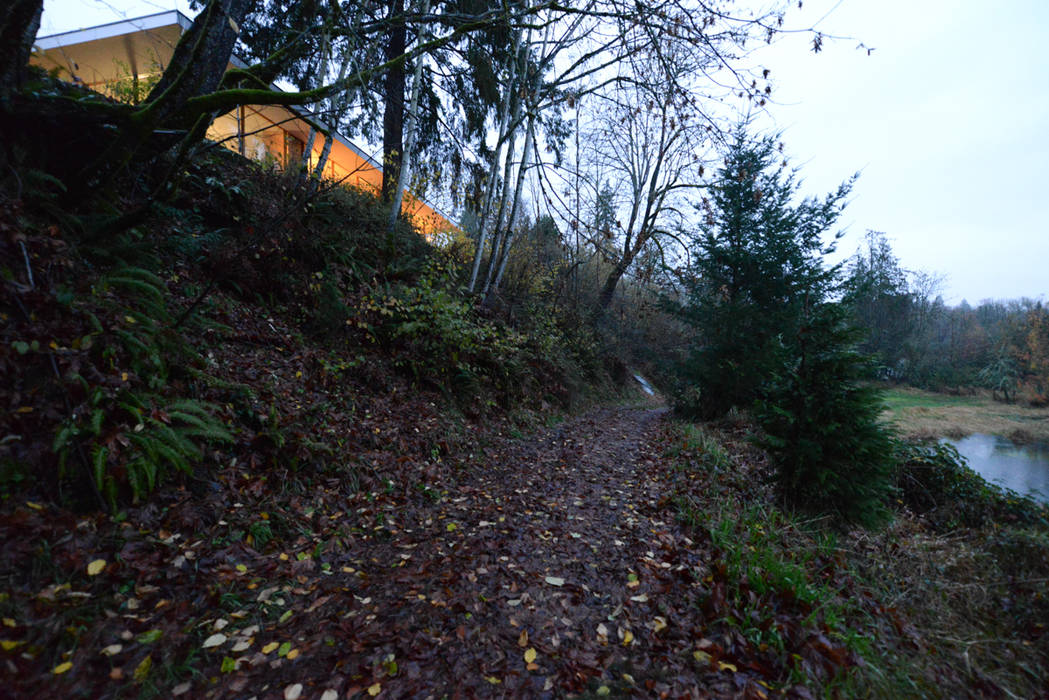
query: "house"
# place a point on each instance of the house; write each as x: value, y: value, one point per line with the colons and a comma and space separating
x: 123, y: 59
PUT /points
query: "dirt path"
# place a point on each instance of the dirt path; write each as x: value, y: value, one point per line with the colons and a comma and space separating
x: 543, y: 566
x: 552, y: 566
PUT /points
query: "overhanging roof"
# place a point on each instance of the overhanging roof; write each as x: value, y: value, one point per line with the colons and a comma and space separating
x: 92, y: 55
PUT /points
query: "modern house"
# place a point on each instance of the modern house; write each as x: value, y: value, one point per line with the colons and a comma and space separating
x: 122, y: 59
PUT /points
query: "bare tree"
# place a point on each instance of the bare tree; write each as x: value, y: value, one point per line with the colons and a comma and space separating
x: 649, y: 144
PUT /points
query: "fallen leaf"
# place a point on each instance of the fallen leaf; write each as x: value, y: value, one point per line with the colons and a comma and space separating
x: 149, y: 637
x: 330, y: 694
x: 293, y: 691
x: 181, y: 688
x: 374, y: 690
x: 723, y: 666
x: 112, y: 649
x: 529, y: 656
x: 214, y: 641
x: 628, y: 637
x: 522, y: 641
x: 555, y: 581
x: 9, y: 644
x: 62, y: 668
x: 96, y: 567
x: 701, y: 656
x: 270, y: 647
x: 142, y: 670
x: 293, y: 654
x: 284, y: 649
x: 658, y: 623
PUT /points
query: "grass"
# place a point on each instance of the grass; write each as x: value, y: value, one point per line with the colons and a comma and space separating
x: 934, y: 611
x: 923, y: 414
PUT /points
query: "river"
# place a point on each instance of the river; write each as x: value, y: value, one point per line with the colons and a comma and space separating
x: 1022, y: 468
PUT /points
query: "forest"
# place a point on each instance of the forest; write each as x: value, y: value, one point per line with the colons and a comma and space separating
x: 618, y: 428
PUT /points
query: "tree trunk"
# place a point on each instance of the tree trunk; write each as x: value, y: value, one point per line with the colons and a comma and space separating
x: 504, y: 116
x: 197, y: 66
x: 393, y: 107
x: 413, y: 122
x: 200, y: 59
x: 18, y: 28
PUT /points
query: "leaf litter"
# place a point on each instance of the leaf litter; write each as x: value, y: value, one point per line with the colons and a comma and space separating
x: 560, y: 550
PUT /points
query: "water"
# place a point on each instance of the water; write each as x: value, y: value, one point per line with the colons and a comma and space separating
x: 645, y: 386
x: 1022, y: 468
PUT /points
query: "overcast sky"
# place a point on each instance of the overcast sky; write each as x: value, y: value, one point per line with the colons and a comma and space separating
x: 947, y: 120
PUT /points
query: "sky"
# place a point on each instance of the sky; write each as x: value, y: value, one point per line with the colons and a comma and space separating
x: 946, y: 119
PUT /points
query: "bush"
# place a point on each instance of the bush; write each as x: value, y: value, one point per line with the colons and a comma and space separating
x: 934, y: 481
x: 821, y: 425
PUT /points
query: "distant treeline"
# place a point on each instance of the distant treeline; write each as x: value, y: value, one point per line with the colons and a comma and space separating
x: 918, y: 339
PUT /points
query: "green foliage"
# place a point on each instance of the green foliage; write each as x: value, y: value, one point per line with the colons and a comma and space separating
x: 757, y: 296
x: 1002, y: 376
x: 935, y: 482
x: 137, y: 440
x: 128, y: 430
x: 441, y: 337
x: 757, y: 259
x: 876, y: 291
x: 821, y: 425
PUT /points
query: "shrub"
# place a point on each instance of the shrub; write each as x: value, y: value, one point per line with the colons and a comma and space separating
x: 821, y: 425
x: 934, y: 481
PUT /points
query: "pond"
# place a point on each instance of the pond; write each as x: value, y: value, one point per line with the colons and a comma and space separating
x: 1022, y: 468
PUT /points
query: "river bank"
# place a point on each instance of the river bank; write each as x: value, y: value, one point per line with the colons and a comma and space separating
x: 919, y: 414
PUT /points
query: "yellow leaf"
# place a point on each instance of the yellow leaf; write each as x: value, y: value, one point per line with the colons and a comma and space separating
x: 374, y: 690
x: 628, y: 637
x: 701, y: 656
x: 293, y: 654
x: 493, y: 680
x: 34, y: 506
x: 96, y: 567
x: 659, y: 623
x: 529, y: 655
x: 8, y: 622
x: 522, y: 641
x: 723, y: 666
x: 451, y: 527
x: 62, y: 668
x: 270, y: 647
x: 9, y: 644
x: 142, y: 670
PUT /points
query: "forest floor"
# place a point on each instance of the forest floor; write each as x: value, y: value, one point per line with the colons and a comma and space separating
x: 550, y: 565
x: 925, y: 414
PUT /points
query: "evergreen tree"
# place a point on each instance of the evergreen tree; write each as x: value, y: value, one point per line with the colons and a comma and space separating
x: 758, y: 255
x: 820, y: 423
x: 770, y: 336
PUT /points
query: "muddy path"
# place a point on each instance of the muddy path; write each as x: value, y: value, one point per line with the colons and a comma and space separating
x: 546, y: 565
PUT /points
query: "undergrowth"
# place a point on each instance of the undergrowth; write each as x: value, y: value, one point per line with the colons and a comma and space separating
x: 950, y: 599
x: 117, y: 347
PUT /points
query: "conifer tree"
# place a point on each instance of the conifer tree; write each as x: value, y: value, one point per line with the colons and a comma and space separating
x: 758, y: 256
x: 771, y: 336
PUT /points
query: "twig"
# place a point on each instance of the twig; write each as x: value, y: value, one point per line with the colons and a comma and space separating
x: 28, y: 268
